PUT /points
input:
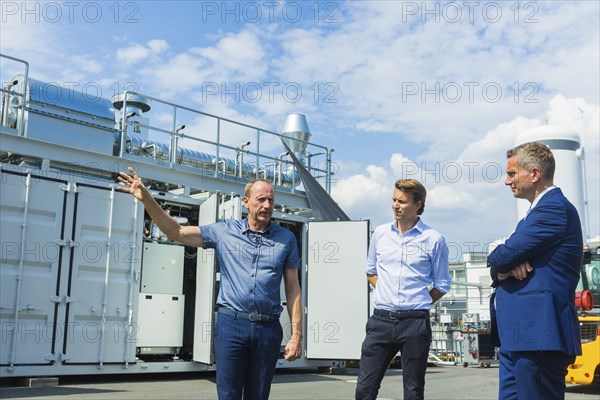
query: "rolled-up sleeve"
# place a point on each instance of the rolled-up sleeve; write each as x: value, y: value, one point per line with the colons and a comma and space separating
x: 371, y: 264
x: 440, y: 268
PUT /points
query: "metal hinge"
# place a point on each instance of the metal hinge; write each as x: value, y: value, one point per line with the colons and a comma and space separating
x: 66, y: 242
x: 28, y: 308
x: 69, y: 187
x: 61, y: 299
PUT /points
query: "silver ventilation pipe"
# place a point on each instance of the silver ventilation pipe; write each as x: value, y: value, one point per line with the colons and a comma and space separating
x: 135, y: 104
x: 297, y: 134
x: 140, y: 146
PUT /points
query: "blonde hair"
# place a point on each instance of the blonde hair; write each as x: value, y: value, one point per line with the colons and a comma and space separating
x: 419, y: 193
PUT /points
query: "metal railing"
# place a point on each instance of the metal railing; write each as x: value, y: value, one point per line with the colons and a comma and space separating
x: 224, y: 159
x: 7, y: 92
x: 263, y: 164
x: 446, y: 349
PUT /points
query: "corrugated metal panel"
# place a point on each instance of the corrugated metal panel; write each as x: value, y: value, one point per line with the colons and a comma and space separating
x: 31, y: 211
x: 100, y: 278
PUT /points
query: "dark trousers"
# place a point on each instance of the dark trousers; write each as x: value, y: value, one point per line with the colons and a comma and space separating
x: 385, y: 337
x: 246, y: 353
x: 533, y: 375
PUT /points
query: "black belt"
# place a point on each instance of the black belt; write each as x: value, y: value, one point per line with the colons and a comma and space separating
x: 402, y: 314
x: 255, y: 317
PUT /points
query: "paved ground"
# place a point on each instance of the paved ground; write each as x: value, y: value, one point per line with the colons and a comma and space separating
x: 447, y: 383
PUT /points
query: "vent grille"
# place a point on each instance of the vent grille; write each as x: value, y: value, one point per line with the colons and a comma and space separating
x: 589, y: 331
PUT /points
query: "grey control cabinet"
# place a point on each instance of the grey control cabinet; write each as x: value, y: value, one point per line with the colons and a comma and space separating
x: 162, y: 268
x: 161, y: 299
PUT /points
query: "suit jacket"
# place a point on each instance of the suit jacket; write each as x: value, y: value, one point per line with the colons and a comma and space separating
x: 538, y: 313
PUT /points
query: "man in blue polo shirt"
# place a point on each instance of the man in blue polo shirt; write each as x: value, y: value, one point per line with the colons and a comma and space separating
x: 254, y: 255
x: 407, y: 264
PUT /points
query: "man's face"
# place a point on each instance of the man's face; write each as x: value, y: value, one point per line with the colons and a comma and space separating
x: 519, y: 179
x: 260, y: 202
x: 404, y: 208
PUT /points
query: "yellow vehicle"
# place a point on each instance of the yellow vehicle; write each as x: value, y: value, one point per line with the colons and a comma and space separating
x: 586, y: 367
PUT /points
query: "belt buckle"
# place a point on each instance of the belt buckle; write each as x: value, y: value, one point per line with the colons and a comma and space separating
x: 254, y: 317
x: 392, y: 315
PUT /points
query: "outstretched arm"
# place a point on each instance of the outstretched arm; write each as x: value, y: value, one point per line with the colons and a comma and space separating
x: 187, y: 235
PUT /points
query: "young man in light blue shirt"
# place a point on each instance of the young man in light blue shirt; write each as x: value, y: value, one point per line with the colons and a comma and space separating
x: 407, y: 265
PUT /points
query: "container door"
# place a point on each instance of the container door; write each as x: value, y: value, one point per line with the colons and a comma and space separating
x: 337, y: 289
x: 205, y: 289
x: 32, y: 227
x: 231, y: 208
x: 207, y: 278
x: 103, y: 277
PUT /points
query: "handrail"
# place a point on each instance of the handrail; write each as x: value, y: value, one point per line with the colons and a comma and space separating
x: 7, y: 92
x: 226, y: 154
x: 260, y: 133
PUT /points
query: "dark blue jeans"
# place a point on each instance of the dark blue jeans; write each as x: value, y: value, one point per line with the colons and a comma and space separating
x: 246, y: 353
x: 385, y: 337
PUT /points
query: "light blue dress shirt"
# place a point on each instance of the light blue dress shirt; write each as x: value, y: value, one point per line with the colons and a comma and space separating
x: 252, y: 264
x: 407, y: 266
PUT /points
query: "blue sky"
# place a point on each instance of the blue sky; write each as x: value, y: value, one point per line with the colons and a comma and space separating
x: 398, y: 89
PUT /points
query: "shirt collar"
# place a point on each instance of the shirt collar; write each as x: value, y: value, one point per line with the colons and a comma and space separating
x: 537, y: 199
x: 246, y: 229
x: 419, y: 227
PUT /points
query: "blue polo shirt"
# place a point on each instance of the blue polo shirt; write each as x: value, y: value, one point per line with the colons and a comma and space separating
x: 407, y: 266
x: 252, y: 264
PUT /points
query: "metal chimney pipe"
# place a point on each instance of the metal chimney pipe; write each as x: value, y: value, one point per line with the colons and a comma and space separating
x: 296, y: 134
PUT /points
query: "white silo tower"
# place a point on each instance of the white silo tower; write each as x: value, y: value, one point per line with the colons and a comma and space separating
x: 570, y: 169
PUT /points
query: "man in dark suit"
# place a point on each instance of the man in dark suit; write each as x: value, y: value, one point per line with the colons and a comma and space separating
x: 535, y: 273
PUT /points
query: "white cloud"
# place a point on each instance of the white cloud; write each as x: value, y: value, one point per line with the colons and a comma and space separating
x: 404, y: 168
x: 135, y: 53
x: 237, y: 56
x: 226, y: 72
x: 447, y: 197
x: 437, y: 81
x: 34, y: 43
x: 132, y: 54
x: 167, y: 75
x: 86, y: 63
x: 467, y: 200
x: 365, y: 195
x: 158, y: 46
x: 396, y: 72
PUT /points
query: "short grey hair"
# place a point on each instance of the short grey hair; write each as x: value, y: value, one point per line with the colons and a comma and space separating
x: 535, y: 154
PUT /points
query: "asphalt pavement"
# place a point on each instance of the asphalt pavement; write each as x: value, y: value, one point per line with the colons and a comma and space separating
x: 442, y: 382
